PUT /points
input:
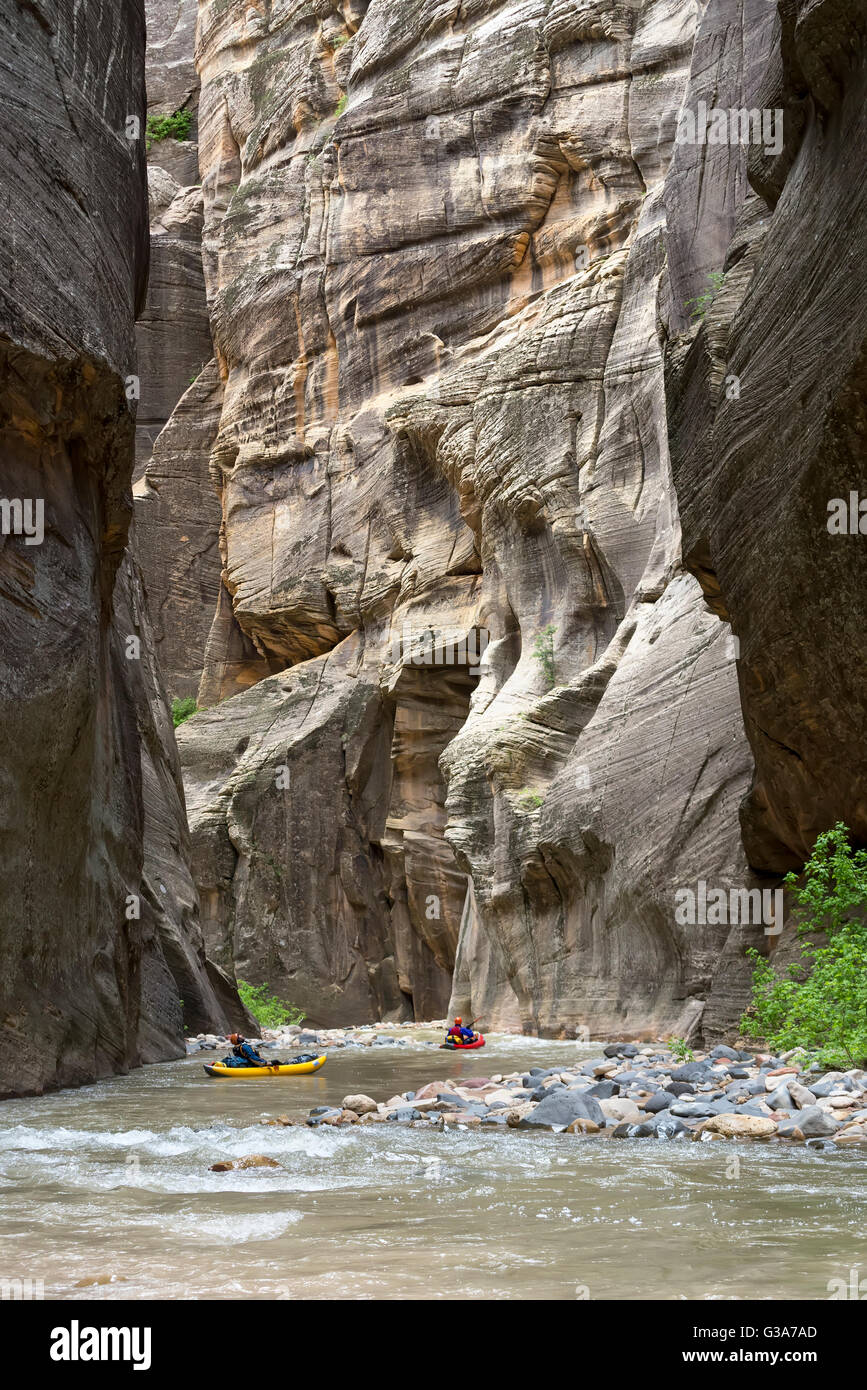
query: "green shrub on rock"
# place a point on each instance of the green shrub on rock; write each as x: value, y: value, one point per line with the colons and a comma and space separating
x: 183, y: 709
x: 820, y: 1003
x: 266, y: 1008
x: 173, y: 127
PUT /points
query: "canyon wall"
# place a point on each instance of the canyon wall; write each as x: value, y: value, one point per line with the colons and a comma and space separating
x: 758, y: 469
x: 433, y: 246
x: 93, y: 937
x: 461, y: 395
x: 177, y: 510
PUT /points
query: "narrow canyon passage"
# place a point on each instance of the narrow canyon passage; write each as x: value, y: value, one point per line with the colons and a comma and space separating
x: 433, y: 596
x: 427, y: 891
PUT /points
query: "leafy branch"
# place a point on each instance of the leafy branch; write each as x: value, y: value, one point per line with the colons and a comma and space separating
x: 703, y: 302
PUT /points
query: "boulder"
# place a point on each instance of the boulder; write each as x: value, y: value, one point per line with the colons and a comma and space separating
x: 851, y: 1134
x: 249, y: 1161
x: 360, y: 1104
x: 664, y: 1126
x: 660, y: 1100
x: 740, y: 1126
x: 500, y: 1097
x: 560, y: 1109
x: 809, y: 1123
x: 619, y: 1108
x: 603, y: 1090
x: 780, y: 1099
x: 692, y: 1071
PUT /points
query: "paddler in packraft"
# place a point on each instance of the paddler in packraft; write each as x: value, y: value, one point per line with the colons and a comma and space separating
x: 246, y: 1052
x: 460, y: 1035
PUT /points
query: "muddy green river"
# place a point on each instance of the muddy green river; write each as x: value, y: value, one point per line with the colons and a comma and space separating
x: 105, y: 1193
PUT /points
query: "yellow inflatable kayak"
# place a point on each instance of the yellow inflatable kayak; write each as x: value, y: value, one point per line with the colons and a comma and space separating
x: 280, y: 1069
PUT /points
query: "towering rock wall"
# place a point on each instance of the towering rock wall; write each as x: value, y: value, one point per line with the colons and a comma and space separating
x: 452, y: 254
x: 433, y: 246
x: 73, y: 261
x: 89, y: 981
x: 766, y: 474
x: 177, y: 510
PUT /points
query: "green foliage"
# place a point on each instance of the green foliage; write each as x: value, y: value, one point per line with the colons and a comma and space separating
x: 266, y: 1008
x: 820, y: 1003
x: 543, y: 650
x: 680, y: 1048
x: 703, y: 302
x: 341, y: 105
x: 183, y: 709
x: 173, y: 127
x: 529, y: 801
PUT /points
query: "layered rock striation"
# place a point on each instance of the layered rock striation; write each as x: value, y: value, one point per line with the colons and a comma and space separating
x: 89, y: 981
x: 769, y: 435
x: 461, y: 393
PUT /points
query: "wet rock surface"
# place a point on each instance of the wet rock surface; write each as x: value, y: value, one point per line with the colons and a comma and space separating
x: 563, y: 1100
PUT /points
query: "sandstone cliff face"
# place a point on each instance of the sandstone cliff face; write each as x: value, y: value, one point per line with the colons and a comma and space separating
x: 756, y: 470
x: 433, y: 245
x: 177, y: 510
x: 88, y: 987
x: 179, y: 986
x: 449, y: 253
x: 73, y: 256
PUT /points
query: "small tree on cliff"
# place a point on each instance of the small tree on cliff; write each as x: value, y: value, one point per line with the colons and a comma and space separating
x: 543, y: 650
x: 183, y: 709
x: 820, y: 1003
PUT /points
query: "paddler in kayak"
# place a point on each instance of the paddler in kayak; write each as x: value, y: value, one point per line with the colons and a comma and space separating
x: 246, y: 1052
x: 459, y: 1034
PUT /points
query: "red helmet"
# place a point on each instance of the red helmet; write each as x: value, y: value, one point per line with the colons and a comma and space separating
x: 236, y: 1038
x: 458, y: 1020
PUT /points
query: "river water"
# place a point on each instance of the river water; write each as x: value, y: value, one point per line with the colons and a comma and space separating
x: 105, y: 1193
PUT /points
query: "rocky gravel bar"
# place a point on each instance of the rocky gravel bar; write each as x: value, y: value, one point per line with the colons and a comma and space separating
x: 632, y: 1092
x: 296, y: 1036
